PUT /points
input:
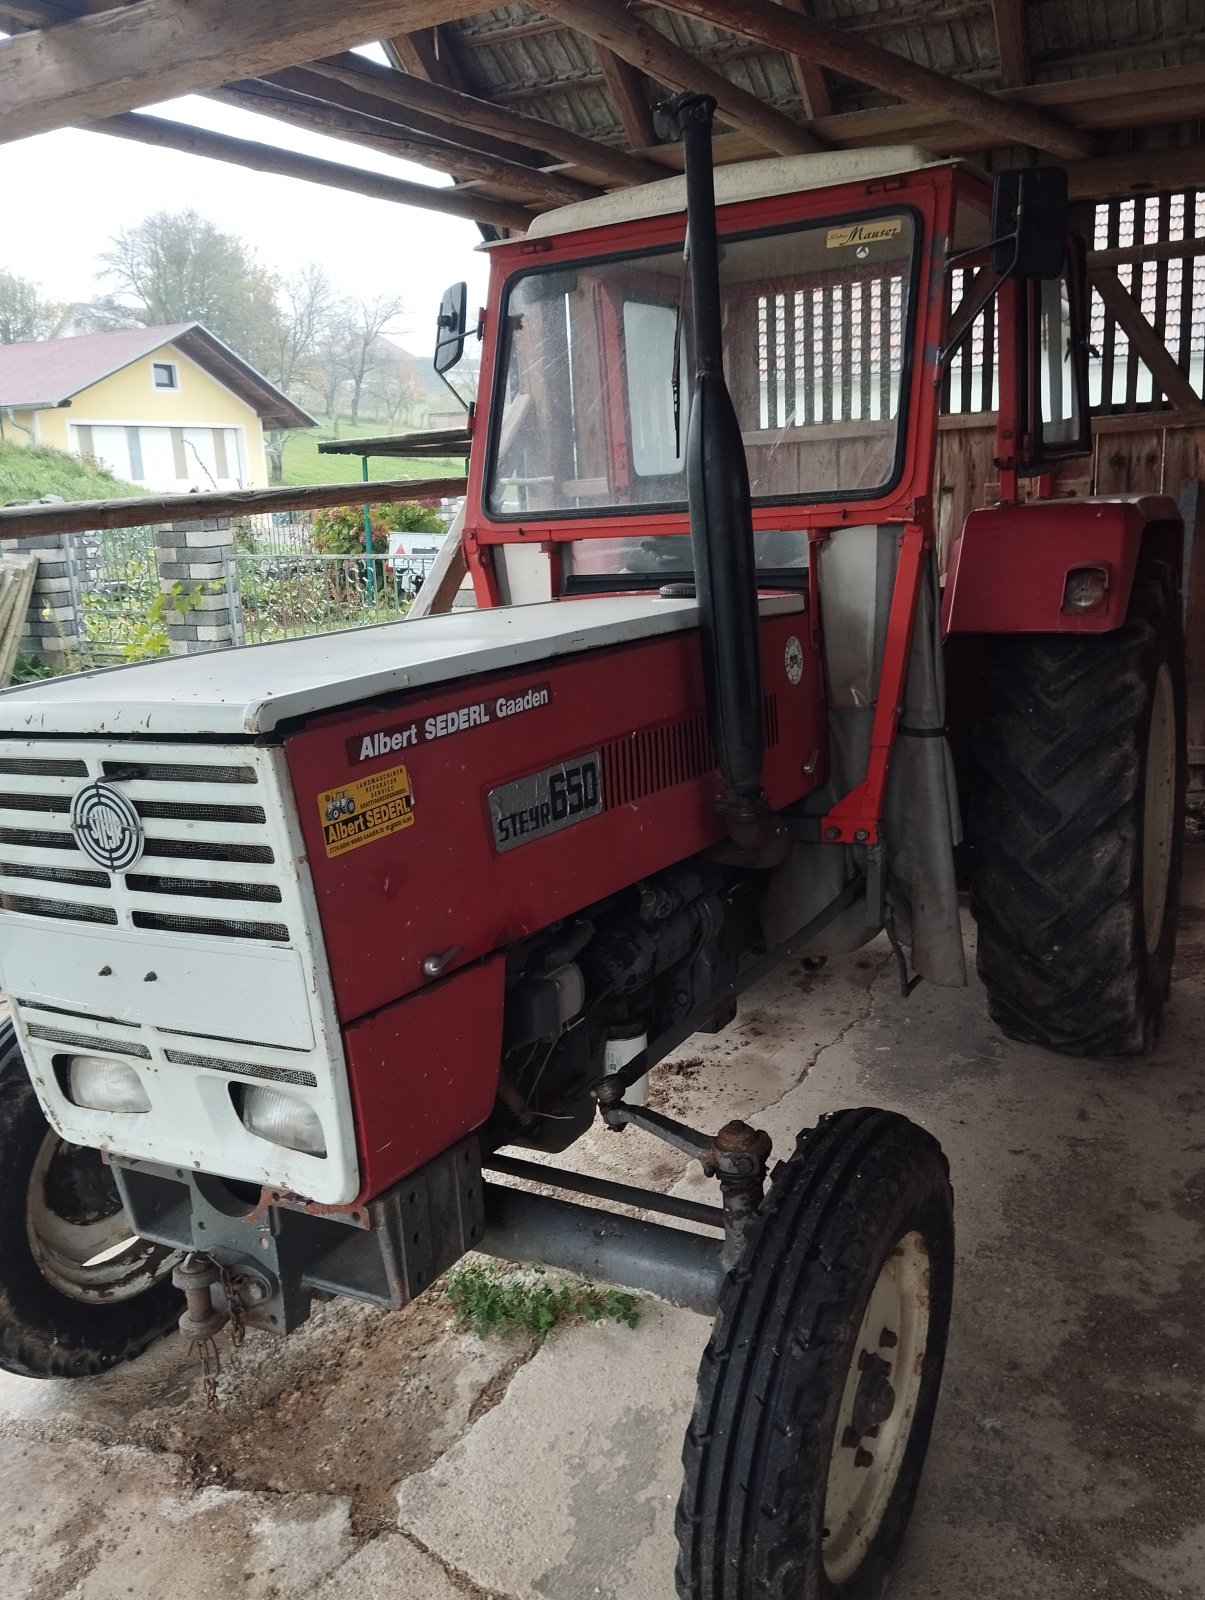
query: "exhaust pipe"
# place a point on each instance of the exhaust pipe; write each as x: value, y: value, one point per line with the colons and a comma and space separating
x: 721, y: 523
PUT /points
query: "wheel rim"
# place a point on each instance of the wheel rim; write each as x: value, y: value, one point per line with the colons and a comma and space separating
x: 878, y: 1404
x: 78, y: 1232
x: 1159, y: 808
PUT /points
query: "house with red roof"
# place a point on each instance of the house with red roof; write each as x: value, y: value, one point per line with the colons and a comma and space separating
x: 171, y: 408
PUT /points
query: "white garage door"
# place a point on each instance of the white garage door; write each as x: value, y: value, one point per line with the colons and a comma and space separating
x: 172, y: 460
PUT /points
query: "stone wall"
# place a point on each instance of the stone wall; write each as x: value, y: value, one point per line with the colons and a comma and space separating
x: 198, y: 555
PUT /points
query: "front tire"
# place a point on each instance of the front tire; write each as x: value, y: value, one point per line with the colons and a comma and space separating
x: 1078, y: 827
x: 818, y: 1388
x: 78, y: 1291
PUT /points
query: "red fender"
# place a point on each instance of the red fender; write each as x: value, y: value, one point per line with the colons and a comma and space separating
x: 1009, y: 565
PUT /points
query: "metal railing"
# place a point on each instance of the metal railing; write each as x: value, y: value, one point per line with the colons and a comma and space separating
x: 114, y: 586
x: 289, y: 593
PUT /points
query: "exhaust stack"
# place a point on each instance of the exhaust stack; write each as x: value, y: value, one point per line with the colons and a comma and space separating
x: 721, y: 522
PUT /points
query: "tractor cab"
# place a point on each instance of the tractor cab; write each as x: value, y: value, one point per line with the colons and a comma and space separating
x: 849, y: 283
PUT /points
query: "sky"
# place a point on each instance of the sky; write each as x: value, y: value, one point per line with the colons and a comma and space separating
x: 65, y: 194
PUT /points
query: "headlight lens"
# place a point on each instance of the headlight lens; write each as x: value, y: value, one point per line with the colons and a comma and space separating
x: 1086, y: 589
x: 99, y: 1084
x: 283, y: 1119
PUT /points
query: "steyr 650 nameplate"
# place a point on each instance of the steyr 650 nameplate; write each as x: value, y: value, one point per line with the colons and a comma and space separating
x: 529, y: 808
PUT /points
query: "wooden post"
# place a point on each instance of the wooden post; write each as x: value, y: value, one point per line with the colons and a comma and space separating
x: 1192, y: 509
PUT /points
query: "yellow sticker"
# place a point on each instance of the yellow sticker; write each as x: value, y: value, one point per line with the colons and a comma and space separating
x: 864, y: 232
x: 365, y: 809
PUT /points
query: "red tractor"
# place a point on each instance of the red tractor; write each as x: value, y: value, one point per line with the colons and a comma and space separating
x: 303, y: 938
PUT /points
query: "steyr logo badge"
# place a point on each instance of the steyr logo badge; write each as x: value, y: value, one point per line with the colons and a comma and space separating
x: 106, y: 826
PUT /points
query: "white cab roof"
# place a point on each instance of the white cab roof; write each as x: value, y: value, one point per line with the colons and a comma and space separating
x: 254, y: 689
x: 741, y: 180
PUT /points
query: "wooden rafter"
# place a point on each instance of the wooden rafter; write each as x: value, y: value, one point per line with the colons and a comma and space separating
x: 793, y: 34
x: 304, y: 82
x: 459, y: 202
x: 809, y: 78
x: 607, y: 23
x: 1012, y: 42
x: 626, y: 88
x: 153, y: 49
x: 429, y: 53
x: 1129, y: 316
x: 427, y: 144
x: 398, y: 88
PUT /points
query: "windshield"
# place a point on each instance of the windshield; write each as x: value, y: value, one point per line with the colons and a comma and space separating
x: 595, y: 384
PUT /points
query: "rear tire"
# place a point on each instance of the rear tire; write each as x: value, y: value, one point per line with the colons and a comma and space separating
x: 817, y: 1390
x: 78, y: 1291
x: 1078, y: 827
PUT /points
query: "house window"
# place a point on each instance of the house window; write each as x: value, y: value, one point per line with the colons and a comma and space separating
x: 164, y: 375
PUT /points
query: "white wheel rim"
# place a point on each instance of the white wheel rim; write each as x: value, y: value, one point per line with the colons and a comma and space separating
x: 1159, y: 808
x: 878, y: 1404
x: 96, y: 1262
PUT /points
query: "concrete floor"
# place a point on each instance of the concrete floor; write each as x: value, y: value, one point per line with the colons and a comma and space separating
x: 392, y: 1456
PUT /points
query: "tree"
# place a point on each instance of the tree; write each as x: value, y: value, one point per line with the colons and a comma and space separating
x: 180, y: 267
x: 24, y: 315
x: 305, y: 307
x: 354, y: 348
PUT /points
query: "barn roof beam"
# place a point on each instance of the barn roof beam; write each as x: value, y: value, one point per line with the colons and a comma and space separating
x: 455, y: 202
x: 96, y: 65
x: 303, y: 82
x: 1012, y: 42
x: 626, y: 88
x: 428, y: 53
x: 425, y: 141
x: 643, y: 47
x: 788, y: 31
x: 809, y: 78
x: 465, y: 110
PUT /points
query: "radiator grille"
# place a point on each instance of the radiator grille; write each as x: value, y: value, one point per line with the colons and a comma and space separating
x: 88, y: 1041
x: 211, y: 927
x: 656, y: 758
x: 244, y: 1069
x: 193, y: 811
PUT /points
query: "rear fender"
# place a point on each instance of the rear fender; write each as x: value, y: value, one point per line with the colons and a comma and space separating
x: 1009, y: 565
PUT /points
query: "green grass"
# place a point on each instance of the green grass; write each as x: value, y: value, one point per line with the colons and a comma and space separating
x: 500, y: 1301
x: 29, y: 472
x: 303, y: 464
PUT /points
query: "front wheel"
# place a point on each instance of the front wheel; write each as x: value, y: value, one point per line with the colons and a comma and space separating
x: 818, y: 1388
x: 79, y: 1291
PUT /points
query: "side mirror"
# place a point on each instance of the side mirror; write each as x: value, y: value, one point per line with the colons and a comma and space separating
x: 1029, y: 222
x: 450, y: 329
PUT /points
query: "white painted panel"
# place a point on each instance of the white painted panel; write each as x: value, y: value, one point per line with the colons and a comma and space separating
x: 158, y: 461
x: 110, y: 447
x: 250, y: 992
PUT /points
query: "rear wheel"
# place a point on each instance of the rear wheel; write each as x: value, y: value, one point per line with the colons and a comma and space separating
x: 79, y: 1292
x: 817, y: 1390
x: 1078, y: 827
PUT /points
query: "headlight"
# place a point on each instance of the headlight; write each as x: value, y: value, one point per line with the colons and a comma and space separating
x: 283, y: 1119
x: 99, y: 1084
x: 1086, y: 589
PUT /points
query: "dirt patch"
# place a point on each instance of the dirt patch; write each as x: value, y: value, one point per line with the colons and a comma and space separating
x: 668, y: 1078
x: 359, y: 1400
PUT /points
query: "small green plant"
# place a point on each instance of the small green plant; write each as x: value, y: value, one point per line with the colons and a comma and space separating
x: 28, y: 668
x: 501, y: 1301
x: 147, y: 634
